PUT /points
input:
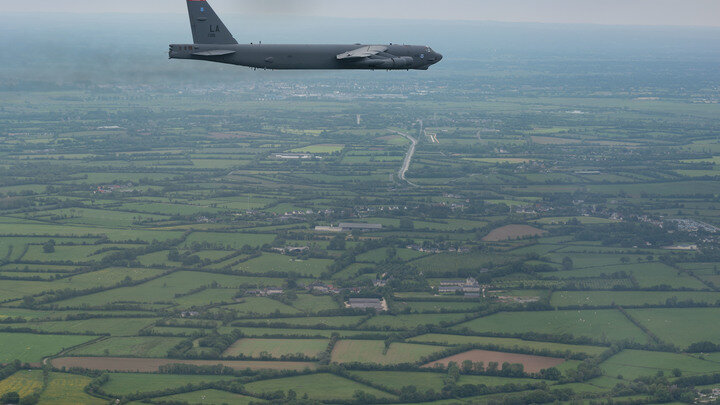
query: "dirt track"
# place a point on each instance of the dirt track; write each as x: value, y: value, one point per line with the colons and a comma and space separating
x: 532, y: 364
x: 125, y: 364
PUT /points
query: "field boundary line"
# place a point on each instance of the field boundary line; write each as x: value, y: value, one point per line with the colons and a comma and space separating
x: 49, y: 359
x: 693, y: 275
x: 653, y: 337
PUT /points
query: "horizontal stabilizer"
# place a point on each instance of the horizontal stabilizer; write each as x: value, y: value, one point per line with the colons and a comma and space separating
x: 217, y: 52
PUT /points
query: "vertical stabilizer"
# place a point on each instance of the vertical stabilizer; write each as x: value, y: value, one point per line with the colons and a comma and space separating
x: 207, y: 28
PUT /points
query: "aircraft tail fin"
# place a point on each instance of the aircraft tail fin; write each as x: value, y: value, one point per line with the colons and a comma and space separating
x: 207, y: 28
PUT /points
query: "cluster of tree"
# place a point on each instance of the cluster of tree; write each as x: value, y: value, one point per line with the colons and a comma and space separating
x: 178, y: 351
x: 96, y: 389
x: 10, y: 369
x: 27, y: 277
x: 12, y: 397
x: 128, y: 257
x: 338, y: 242
x: 586, y: 370
x: 186, y: 258
x: 349, y: 255
x: 187, y: 323
x: 277, y: 320
x: 672, y: 302
x: 49, y: 246
x: 326, y: 356
x: 659, y: 388
x: 218, y: 343
x: 10, y: 319
x: 191, y: 369
x: 628, y: 234
x: 703, y: 347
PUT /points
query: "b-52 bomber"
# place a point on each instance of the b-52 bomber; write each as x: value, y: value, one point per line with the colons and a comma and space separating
x: 214, y: 43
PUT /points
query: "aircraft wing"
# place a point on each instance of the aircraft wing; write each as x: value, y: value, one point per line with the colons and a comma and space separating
x: 364, y: 52
x: 218, y: 52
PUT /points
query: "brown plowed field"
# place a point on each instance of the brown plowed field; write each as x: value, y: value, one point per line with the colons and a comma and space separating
x: 512, y: 232
x: 123, y: 364
x: 532, y: 364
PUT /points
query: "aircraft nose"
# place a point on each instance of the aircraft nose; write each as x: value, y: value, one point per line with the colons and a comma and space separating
x: 438, y: 57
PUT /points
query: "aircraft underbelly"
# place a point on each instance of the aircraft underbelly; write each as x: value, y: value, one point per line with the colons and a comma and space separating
x: 309, y: 57
x: 285, y: 57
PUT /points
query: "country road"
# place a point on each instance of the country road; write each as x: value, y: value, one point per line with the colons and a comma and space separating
x: 408, y: 158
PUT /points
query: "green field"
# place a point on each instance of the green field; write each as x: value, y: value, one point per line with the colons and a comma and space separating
x: 371, y: 351
x: 128, y: 346
x: 128, y: 383
x: 628, y: 298
x: 211, y: 296
x: 294, y: 332
x: 424, y: 306
x: 276, y: 348
x: 327, y: 321
x: 209, y: 397
x: 412, y: 321
x: 231, y: 240
x: 262, y: 306
x: 448, y: 261
x: 164, y: 289
x: 393, y: 380
x: 269, y: 263
x: 631, y: 364
x: 311, y: 304
x: 681, y: 326
x: 100, y: 326
x: 648, y: 275
x: 323, y: 148
x: 601, y: 325
x: 507, y: 343
x: 317, y: 386
x: 33, y: 348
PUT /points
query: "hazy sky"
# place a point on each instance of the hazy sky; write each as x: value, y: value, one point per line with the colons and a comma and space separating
x: 623, y: 12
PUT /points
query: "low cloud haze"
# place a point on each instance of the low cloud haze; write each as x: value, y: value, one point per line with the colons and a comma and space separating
x: 611, y: 12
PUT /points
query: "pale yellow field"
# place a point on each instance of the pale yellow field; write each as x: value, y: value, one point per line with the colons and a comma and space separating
x: 23, y: 382
x: 68, y: 389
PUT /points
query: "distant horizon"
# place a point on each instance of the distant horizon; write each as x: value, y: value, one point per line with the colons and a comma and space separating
x: 640, y: 13
x: 228, y: 18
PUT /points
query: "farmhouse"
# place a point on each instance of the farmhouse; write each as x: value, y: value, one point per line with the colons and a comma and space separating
x: 265, y: 292
x: 365, y: 303
x: 293, y: 156
x: 291, y: 249
x: 323, y: 288
x: 350, y: 226
x: 469, y: 285
x: 328, y: 229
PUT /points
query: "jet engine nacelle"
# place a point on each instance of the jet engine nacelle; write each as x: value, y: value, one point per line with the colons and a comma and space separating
x: 402, y: 62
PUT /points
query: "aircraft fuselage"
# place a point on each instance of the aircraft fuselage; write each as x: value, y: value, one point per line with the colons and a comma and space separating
x: 288, y: 56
